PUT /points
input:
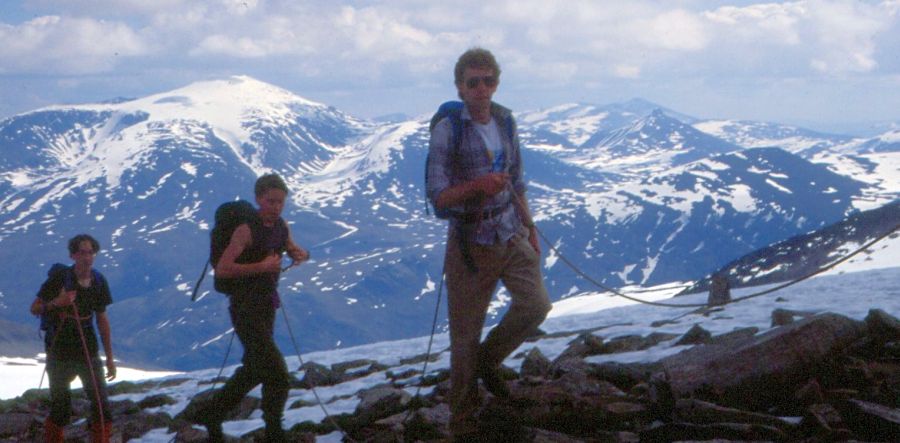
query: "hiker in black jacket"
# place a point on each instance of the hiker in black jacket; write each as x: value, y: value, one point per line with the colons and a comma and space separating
x: 67, y: 302
x: 252, y: 309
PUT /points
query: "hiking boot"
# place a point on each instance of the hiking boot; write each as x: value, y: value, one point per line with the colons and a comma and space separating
x: 466, y: 438
x: 101, y: 434
x: 493, y: 382
x: 53, y: 433
x: 213, y: 430
x: 274, y: 432
x: 213, y: 426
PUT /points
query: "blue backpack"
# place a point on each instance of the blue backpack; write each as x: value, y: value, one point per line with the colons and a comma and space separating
x: 453, y: 111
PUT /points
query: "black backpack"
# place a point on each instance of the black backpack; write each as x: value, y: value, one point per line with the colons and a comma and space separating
x: 228, y: 217
x: 49, y: 320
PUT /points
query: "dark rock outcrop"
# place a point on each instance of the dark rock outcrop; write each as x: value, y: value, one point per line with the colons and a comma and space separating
x: 820, y: 378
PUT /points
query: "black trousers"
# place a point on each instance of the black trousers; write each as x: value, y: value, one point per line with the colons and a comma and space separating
x: 253, y: 318
x: 61, y: 373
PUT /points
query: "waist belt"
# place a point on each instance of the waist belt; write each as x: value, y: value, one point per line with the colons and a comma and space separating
x: 60, y: 319
x: 85, y: 321
x: 475, y: 217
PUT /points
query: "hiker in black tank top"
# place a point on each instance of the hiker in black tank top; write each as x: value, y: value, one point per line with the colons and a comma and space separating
x: 252, y: 309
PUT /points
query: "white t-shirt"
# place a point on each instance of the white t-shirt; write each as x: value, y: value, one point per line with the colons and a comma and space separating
x: 490, y: 134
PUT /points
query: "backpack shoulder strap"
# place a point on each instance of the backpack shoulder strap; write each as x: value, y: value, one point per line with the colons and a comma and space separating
x: 451, y: 110
x: 57, y: 277
x: 199, y: 280
x: 69, y: 279
x: 284, y: 231
x: 505, y: 117
x: 257, y: 250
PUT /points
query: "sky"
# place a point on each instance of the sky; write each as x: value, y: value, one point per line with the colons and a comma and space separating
x: 871, y: 281
x: 819, y: 63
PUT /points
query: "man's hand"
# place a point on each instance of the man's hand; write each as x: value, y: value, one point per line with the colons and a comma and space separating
x: 298, y: 255
x: 37, y: 307
x: 64, y: 299
x: 489, y: 184
x: 110, y: 369
x: 271, y: 264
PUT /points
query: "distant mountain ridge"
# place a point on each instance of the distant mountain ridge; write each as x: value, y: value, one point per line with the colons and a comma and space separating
x: 802, y: 255
x: 145, y: 176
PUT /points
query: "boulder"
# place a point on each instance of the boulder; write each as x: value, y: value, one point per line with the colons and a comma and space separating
x: 694, y: 336
x: 535, y: 364
x: 380, y: 402
x: 761, y: 368
x: 16, y: 423
x: 882, y: 325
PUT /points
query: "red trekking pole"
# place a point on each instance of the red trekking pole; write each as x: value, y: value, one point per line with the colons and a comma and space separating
x: 101, y: 431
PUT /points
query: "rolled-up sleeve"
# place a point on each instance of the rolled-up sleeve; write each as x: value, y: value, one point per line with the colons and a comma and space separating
x: 438, y: 163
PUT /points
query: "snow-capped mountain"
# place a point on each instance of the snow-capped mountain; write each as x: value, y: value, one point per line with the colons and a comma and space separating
x: 631, y: 137
x: 651, y: 144
x: 145, y: 176
x: 750, y: 134
x: 667, y: 226
x: 874, y: 160
x: 887, y: 142
x: 572, y: 125
x: 805, y: 254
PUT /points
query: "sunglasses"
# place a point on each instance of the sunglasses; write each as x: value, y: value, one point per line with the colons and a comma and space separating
x: 489, y: 80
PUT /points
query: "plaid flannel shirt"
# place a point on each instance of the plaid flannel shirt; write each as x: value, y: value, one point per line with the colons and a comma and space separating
x: 472, y: 161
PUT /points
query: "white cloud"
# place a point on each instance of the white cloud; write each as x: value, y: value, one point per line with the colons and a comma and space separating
x: 381, y: 33
x: 822, y: 35
x: 762, y: 22
x: 676, y: 30
x: 66, y: 45
x: 845, y: 32
x: 829, y: 36
x: 111, y: 7
x: 627, y: 71
x: 276, y: 37
x: 583, y: 48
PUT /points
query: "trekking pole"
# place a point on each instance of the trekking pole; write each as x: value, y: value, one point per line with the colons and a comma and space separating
x: 434, y: 321
x: 290, y: 265
x: 224, y: 361
x: 295, y: 263
x: 328, y: 416
x: 287, y: 323
x: 48, y: 349
x: 90, y: 365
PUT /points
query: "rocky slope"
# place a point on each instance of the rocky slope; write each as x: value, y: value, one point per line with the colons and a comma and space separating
x: 822, y: 377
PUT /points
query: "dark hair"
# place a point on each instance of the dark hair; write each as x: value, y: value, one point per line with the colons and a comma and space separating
x: 475, y: 58
x: 269, y: 181
x: 75, y: 243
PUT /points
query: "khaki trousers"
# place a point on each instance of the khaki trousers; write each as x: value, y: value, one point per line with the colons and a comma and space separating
x: 517, y: 265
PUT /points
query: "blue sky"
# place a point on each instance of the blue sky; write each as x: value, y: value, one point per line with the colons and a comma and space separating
x: 821, y: 63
